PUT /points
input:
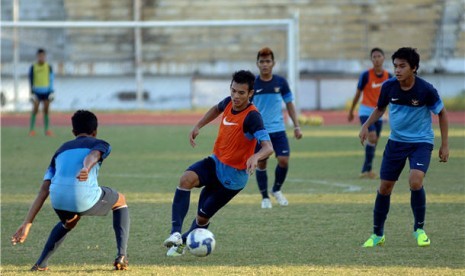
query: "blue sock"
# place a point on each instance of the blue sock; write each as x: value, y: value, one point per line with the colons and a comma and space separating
x: 369, y: 155
x: 194, y: 225
x: 57, y: 235
x: 380, y: 212
x: 280, y: 176
x: 262, y: 181
x: 418, y: 204
x: 179, y: 209
x: 121, y: 223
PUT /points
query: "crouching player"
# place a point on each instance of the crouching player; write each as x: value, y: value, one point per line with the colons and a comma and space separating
x: 71, y: 182
x: 224, y: 173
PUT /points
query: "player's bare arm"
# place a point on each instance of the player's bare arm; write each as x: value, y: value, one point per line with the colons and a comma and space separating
x: 91, y: 159
x: 358, y: 93
x: 211, y: 115
x: 375, y: 115
x: 291, y: 110
x: 265, y: 151
x: 444, y: 127
x: 23, y: 231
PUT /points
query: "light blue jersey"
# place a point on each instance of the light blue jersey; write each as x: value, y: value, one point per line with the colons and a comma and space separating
x: 410, y: 111
x: 67, y: 193
x: 268, y: 97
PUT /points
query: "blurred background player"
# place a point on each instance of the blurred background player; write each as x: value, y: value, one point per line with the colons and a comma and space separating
x: 411, y: 101
x: 269, y: 92
x: 71, y: 181
x: 41, y: 81
x: 369, y: 84
x: 224, y: 173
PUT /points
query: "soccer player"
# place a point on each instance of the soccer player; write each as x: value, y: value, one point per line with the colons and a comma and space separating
x: 41, y: 82
x: 369, y: 84
x: 224, y: 173
x: 270, y: 91
x: 71, y: 182
x: 411, y: 101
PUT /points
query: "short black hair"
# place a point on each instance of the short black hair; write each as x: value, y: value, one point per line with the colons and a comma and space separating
x: 410, y: 55
x: 244, y: 76
x: 84, y: 121
x: 376, y: 49
x: 41, y: 51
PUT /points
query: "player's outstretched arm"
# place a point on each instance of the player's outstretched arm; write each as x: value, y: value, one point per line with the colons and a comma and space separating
x: 291, y: 110
x: 265, y: 151
x: 207, y: 118
x: 91, y: 159
x: 23, y: 230
x: 358, y: 93
x: 375, y: 115
x: 444, y: 127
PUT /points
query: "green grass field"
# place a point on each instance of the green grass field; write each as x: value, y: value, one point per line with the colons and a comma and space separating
x: 320, y: 232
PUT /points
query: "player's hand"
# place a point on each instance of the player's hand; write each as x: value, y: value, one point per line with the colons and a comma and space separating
x: 297, y: 133
x: 252, y: 164
x: 350, y: 118
x: 33, y: 98
x: 83, y: 174
x: 363, y: 135
x: 21, y: 234
x: 194, y: 132
x: 443, y: 153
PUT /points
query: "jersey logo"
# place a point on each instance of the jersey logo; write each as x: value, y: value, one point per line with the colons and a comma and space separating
x: 376, y: 85
x: 259, y: 90
x: 415, y: 102
x: 277, y: 89
x: 226, y: 123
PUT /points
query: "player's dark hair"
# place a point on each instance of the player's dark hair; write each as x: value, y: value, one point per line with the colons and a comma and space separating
x: 265, y: 52
x: 376, y: 49
x: 41, y: 51
x: 410, y: 55
x: 242, y: 77
x: 84, y: 122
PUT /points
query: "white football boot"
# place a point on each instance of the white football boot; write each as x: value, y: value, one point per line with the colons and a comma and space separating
x: 280, y: 198
x: 266, y: 203
x: 174, y: 239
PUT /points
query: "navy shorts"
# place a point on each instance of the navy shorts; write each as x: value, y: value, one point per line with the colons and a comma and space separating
x: 396, y: 154
x: 377, y: 126
x: 213, y: 195
x: 104, y: 205
x: 42, y: 96
x: 279, y: 142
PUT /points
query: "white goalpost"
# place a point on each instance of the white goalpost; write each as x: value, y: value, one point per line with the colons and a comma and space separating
x: 291, y: 26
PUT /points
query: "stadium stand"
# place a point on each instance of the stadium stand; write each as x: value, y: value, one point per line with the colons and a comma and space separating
x: 329, y: 30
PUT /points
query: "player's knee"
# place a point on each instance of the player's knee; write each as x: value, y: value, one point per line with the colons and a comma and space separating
x: 416, y: 179
x: 283, y: 162
x: 71, y: 223
x: 188, y: 180
x: 261, y: 164
x: 386, y: 187
x: 202, y: 221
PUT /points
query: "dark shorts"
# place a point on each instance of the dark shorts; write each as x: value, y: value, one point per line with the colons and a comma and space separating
x: 279, y: 142
x: 396, y: 154
x: 213, y: 195
x: 377, y: 126
x: 108, y: 198
x: 42, y: 96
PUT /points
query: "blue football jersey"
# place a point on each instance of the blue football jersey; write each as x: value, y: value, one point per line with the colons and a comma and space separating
x: 410, y: 111
x: 66, y: 191
x: 268, y: 97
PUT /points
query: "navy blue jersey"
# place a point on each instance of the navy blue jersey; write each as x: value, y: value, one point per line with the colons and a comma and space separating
x: 66, y: 191
x: 268, y: 98
x: 410, y: 111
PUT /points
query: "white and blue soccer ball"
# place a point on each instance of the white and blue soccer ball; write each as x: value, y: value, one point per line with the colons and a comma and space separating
x: 200, y: 242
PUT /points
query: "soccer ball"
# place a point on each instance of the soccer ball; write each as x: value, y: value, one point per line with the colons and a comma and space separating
x: 200, y: 242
